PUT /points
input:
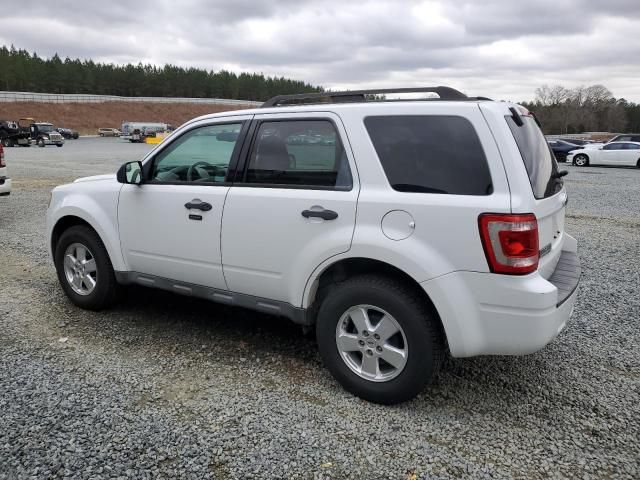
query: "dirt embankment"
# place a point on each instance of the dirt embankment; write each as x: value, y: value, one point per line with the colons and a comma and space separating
x: 88, y: 117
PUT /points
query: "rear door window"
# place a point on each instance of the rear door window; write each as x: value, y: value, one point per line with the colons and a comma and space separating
x: 538, y: 158
x: 301, y: 154
x: 430, y: 154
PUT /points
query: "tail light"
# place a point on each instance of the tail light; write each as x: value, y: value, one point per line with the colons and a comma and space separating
x: 2, y: 164
x: 510, y: 242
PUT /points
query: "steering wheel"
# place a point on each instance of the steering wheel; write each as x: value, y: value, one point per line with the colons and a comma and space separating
x: 201, y: 171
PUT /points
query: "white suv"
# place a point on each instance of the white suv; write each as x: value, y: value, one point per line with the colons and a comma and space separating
x: 400, y: 229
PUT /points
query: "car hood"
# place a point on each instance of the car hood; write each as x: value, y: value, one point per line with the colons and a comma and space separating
x: 96, y: 178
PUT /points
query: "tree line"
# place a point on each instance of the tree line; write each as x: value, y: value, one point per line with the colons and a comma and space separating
x: 24, y: 71
x: 583, y: 109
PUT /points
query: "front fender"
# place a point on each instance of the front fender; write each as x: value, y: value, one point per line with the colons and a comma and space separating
x: 99, y: 210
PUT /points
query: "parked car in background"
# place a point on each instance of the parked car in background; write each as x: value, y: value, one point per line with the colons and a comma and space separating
x: 5, y: 181
x: 624, y: 137
x: 109, y: 132
x: 561, y: 148
x: 576, y: 141
x: 338, y: 217
x: 43, y: 134
x: 68, y: 133
x: 12, y: 134
x: 614, y: 153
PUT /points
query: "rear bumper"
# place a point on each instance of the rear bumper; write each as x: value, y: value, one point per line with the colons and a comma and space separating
x: 5, y: 186
x: 489, y: 314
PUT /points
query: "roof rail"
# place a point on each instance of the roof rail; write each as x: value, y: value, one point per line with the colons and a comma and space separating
x: 356, y: 96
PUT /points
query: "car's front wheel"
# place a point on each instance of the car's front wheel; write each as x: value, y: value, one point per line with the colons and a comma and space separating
x: 40, y: 142
x: 379, y: 339
x: 84, y: 268
x: 581, y: 160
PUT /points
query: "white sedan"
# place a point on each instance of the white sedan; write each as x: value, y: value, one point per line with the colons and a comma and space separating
x: 613, y: 153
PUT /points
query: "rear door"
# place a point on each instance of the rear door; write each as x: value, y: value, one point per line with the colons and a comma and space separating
x: 546, y: 185
x: 630, y: 154
x: 292, y: 206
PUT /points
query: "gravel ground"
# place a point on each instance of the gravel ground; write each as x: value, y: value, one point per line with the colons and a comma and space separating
x: 164, y: 386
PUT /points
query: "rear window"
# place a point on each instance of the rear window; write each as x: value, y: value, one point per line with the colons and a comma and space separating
x: 537, y: 156
x: 430, y: 154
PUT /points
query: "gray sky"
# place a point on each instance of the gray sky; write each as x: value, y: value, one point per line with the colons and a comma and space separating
x: 498, y: 48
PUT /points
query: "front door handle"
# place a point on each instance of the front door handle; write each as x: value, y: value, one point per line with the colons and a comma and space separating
x: 324, y: 214
x: 198, y: 204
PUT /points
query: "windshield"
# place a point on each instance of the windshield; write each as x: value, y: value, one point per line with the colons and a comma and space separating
x: 538, y: 158
x: 47, y: 127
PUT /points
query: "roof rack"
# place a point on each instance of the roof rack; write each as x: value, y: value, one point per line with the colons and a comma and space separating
x: 356, y: 96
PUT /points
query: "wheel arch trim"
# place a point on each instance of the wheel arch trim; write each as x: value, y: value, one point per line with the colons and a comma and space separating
x: 100, y: 223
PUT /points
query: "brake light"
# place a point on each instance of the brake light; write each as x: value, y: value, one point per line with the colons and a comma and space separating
x: 510, y: 242
x: 2, y: 164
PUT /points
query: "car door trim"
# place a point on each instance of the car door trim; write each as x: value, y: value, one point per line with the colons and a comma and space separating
x: 273, y: 307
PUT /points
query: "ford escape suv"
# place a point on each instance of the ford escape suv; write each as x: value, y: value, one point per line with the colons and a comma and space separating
x: 399, y: 229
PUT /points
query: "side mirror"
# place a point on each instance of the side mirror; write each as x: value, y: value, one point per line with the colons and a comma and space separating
x: 130, y: 172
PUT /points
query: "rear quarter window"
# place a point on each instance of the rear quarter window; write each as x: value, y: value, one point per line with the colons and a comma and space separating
x: 430, y: 154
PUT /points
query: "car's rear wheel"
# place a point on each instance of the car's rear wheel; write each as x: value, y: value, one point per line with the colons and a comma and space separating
x: 7, y: 142
x: 581, y: 160
x: 380, y: 340
x: 84, y: 268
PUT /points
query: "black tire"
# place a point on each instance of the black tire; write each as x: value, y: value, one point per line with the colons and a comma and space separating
x: 7, y: 142
x: 577, y: 160
x: 417, y: 319
x: 59, y: 144
x: 107, y: 290
x: 40, y: 143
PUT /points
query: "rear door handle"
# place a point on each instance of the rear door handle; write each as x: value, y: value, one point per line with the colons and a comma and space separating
x: 198, y: 204
x: 324, y: 214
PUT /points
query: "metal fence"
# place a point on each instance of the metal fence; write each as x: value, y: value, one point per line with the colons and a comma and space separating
x: 82, y: 98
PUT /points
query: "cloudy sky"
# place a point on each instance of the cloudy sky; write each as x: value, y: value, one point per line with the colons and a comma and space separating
x: 498, y: 48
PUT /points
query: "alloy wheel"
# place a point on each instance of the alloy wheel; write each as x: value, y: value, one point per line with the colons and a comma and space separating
x: 371, y: 343
x: 80, y: 269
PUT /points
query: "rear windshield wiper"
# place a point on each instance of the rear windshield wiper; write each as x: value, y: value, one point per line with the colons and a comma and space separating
x: 517, y: 119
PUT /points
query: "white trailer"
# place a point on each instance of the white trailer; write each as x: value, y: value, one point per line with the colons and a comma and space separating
x: 137, y: 131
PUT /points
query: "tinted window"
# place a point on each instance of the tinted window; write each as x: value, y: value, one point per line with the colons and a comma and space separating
x: 430, y: 154
x: 538, y: 158
x: 613, y: 146
x: 302, y: 153
x: 630, y: 146
x: 201, y: 155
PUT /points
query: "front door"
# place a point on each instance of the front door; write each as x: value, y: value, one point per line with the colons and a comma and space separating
x: 610, y: 153
x: 170, y: 225
x: 293, y: 207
